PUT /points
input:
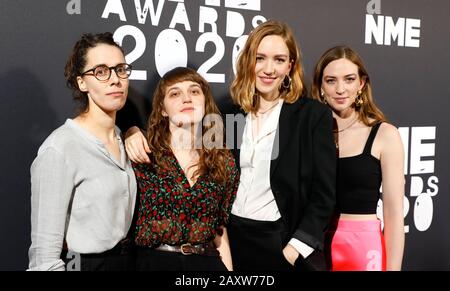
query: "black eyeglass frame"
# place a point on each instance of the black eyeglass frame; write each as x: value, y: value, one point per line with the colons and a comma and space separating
x: 129, y: 69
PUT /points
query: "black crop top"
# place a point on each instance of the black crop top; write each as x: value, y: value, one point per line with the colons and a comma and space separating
x: 359, y: 181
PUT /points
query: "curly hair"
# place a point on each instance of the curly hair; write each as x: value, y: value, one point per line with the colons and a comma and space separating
x: 212, y: 160
x: 77, y: 61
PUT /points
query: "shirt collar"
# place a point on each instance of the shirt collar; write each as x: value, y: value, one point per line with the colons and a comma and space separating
x: 270, y: 123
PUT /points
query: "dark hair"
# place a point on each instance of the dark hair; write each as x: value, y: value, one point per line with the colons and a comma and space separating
x: 77, y: 61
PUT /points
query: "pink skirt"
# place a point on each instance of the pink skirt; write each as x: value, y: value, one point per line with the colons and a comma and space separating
x: 357, y: 246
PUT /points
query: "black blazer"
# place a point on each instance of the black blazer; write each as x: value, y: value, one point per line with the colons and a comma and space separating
x: 302, y: 175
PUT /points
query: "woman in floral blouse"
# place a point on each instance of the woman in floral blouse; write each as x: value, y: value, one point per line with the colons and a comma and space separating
x: 189, y: 182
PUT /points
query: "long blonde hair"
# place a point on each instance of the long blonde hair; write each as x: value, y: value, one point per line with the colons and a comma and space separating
x: 368, y: 109
x: 243, y: 88
x: 211, y: 161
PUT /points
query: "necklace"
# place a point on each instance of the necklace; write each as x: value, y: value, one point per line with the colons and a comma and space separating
x: 336, y: 132
x: 347, y: 127
x: 267, y: 110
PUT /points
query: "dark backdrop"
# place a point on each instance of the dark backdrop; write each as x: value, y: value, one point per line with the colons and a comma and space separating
x: 404, y: 43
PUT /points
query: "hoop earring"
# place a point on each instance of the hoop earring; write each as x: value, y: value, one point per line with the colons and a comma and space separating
x: 287, y: 86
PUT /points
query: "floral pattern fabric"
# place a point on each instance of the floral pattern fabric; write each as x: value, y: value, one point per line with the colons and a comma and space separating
x: 172, y: 212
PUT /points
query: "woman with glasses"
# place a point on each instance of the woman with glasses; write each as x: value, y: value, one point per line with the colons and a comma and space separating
x: 82, y: 183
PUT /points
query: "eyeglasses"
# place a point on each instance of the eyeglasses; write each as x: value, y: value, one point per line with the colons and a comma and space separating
x: 103, y: 72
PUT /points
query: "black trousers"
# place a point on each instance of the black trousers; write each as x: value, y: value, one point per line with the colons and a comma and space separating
x: 258, y: 246
x: 148, y: 259
x: 120, y: 258
x: 120, y: 262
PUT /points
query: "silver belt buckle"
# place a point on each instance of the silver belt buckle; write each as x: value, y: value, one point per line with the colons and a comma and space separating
x: 182, y: 249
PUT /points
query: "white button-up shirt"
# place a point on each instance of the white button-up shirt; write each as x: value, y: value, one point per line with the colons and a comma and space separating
x: 254, y: 198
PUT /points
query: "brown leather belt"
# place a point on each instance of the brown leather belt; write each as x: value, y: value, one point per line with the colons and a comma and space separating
x: 205, y: 249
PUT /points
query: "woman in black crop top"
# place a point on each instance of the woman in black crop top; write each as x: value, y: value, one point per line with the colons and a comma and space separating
x: 370, y: 155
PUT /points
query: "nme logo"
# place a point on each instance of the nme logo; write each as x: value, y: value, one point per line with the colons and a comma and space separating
x: 423, y: 183
x: 386, y: 31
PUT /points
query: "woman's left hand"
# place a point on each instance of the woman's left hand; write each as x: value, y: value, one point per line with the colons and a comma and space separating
x: 290, y: 254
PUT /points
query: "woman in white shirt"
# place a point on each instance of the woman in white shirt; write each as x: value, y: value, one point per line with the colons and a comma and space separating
x: 82, y: 183
x: 287, y: 159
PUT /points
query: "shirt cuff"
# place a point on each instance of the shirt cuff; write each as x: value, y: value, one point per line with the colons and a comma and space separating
x: 304, y: 249
x: 52, y: 266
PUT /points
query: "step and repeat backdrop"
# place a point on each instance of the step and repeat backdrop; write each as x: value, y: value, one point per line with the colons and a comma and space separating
x: 404, y: 43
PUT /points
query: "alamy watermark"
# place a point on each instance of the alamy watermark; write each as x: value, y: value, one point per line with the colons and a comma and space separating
x: 218, y: 135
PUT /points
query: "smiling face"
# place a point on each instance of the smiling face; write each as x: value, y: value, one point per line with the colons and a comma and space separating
x: 340, y: 85
x: 184, y: 102
x: 272, y: 65
x: 110, y: 95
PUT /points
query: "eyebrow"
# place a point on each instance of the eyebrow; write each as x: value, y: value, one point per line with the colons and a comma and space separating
x: 276, y: 56
x: 95, y: 66
x: 346, y: 76
x: 195, y: 86
x: 178, y: 88
x: 103, y: 64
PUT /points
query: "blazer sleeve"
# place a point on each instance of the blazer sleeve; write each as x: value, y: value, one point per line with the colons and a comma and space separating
x: 322, y: 197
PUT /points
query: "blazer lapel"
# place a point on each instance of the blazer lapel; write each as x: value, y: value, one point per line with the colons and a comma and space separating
x: 284, y: 130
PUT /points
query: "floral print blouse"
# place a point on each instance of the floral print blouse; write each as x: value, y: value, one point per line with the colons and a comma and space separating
x: 172, y: 212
